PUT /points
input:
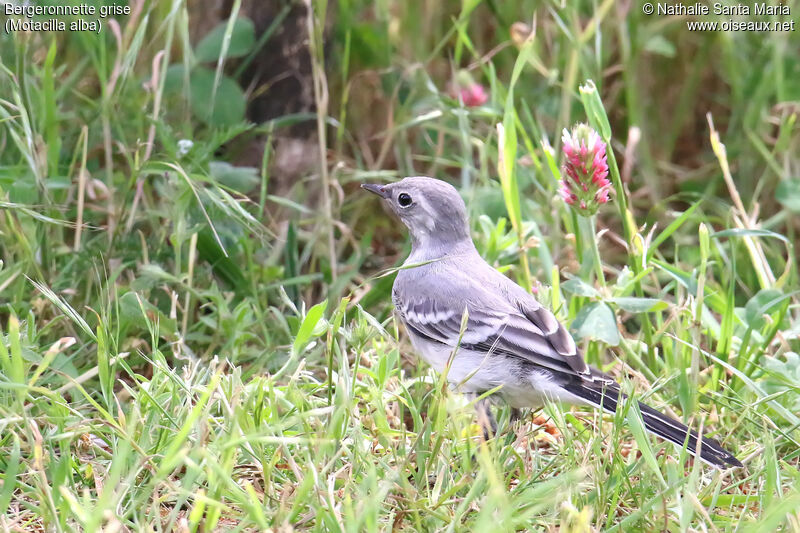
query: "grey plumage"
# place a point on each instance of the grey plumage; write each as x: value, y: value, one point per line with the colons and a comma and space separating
x: 509, y: 339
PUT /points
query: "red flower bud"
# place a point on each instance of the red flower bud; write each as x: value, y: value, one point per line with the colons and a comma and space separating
x: 586, y: 165
x: 474, y: 95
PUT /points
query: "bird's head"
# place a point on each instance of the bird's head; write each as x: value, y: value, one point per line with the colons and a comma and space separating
x: 431, y: 209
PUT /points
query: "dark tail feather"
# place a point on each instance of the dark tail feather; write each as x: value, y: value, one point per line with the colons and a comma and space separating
x: 660, y: 424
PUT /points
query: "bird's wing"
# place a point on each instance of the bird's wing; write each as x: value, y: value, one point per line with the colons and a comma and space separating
x: 495, y: 325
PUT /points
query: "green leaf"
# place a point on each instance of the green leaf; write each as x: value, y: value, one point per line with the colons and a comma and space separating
x: 636, y: 423
x: 657, y: 44
x: 12, y: 464
x: 138, y: 312
x: 672, y: 228
x: 788, y: 194
x: 741, y: 232
x: 507, y: 144
x: 593, y: 105
x: 783, y: 376
x: 240, y: 179
x: 578, y: 287
x: 763, y: 303
x: 370, y: 47
x: 243, y: 37
x: 209, y: 250
x: 308, y: 326
x: 228, y: 105
x: 596, y: 322
x: 640, y: 305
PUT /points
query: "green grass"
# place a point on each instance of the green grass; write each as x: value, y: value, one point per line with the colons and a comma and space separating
x: 195, y: 343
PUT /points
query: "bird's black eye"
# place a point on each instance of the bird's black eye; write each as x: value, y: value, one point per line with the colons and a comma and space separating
x: 404, y: 199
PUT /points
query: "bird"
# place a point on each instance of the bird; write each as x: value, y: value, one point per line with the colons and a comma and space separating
x: 509, y: 342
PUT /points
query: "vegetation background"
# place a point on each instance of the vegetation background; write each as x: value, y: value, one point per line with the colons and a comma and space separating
x: 194, y: 294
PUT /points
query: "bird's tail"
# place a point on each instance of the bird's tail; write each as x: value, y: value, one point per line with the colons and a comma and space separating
x: 607, y: 397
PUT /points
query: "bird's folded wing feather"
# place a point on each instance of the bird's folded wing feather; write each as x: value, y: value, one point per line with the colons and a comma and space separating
x: 527, y: 330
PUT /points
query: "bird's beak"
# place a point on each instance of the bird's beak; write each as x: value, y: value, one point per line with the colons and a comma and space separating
x: 374, y: 188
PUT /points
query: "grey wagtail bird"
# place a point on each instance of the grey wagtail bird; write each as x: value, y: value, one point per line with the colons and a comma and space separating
x: 510, y: 340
